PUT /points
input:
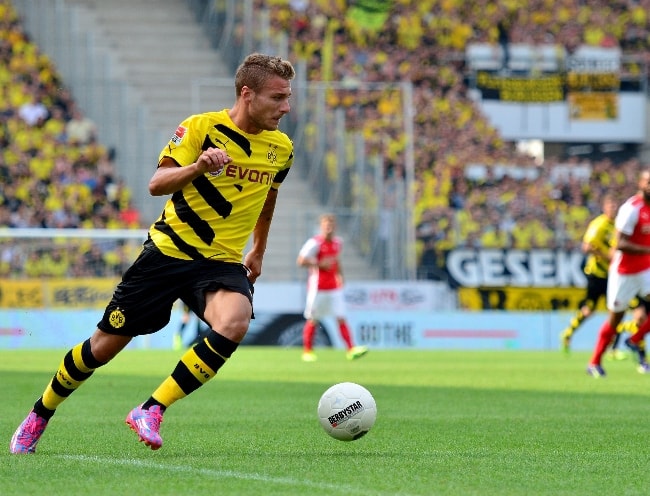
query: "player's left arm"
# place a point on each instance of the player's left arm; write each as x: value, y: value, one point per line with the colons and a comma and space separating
x: 339, y: 274
x: 253, y: 259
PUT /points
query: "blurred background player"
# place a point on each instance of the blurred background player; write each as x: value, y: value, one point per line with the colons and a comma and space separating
x: 641, y: 310
x: 179, y: 335
x: 629, y: 274
x: 320, y: 254
x: 597, y: 245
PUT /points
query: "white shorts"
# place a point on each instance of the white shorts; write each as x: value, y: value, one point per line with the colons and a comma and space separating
x: 621, y: 288
x: 324, y: 303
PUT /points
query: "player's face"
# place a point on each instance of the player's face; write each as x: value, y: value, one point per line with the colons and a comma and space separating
x: 267, y: 106
x: 609, y: 208
x: 644, y: 185
x: 327, y: 226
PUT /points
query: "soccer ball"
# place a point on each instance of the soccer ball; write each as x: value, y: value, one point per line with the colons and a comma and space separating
x: 347, y: 411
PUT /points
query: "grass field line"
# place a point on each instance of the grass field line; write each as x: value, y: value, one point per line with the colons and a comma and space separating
x: 290, y: 481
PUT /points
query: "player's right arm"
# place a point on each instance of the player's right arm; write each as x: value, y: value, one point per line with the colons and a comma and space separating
x: 170, y: 177
x: 308, y: 255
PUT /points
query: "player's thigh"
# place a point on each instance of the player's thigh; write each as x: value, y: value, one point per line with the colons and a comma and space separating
x: 596, y: 289
x: 338, y: 303
x: 228, y: 313
x: 143, y: 300
x: 322, y: 306
x: 621, y: 288
x: 310, y: 303
x: 644, y: 281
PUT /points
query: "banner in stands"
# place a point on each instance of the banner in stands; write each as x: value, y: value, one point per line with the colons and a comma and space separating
x: 282, y: 297
x: 546, y: 87
x: 56, y: 293
x: 522, y: 299
x: 593, y: 106
x: 493, y: 86
x: 474, y: 268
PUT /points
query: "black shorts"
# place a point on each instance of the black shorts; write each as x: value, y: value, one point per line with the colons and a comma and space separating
x: 596, y: 289
x: 143, y: 300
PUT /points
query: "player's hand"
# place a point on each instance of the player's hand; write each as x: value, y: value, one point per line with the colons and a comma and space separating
x: 326, y: 263
x: 253, y: 265
x: 212, y: 161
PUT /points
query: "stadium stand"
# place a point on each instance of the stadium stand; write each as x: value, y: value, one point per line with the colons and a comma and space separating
x: 464, y: 168
x: 54, y: 171
x: 531, y: 204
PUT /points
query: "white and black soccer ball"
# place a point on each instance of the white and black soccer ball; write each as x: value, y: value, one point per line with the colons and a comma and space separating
x: 347, y: 411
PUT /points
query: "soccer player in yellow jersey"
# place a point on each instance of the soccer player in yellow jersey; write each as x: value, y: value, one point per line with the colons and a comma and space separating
x: 596, y: 244
x: 222, y: 170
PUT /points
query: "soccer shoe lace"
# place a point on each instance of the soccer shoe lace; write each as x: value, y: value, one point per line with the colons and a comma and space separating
x: 596, y: 371
x: 146, y: 424
x: 356, y: 352
x: 28, y: 433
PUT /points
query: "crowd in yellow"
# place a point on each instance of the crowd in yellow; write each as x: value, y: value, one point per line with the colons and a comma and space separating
x: 54, y: 170
x: 529, y: 206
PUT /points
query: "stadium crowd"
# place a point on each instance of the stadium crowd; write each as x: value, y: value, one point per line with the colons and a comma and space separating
x: 515, y: 200
x: 473, y: 188
x: 54, y: 171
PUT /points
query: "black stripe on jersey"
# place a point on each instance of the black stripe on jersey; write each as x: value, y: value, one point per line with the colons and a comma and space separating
x: 189, y: 250
x: 280, y: 176
x: 237, y: 138
x: 212, y: 196
x: 187, y: 215
x: 207, y: 144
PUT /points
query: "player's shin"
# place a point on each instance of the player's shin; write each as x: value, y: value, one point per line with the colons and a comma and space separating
x: 643, y: 329
x: 604, y: 339
x: 76, y: 367
x: 197, y: 366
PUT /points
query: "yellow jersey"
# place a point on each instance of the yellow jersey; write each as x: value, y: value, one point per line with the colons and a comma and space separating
x: 600, y: 234
x: 214, y: 216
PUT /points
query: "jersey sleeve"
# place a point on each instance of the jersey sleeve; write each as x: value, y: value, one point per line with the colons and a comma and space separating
x: 626, y: 218
x: 592, y: 232
x: 281, y: 175
x: 309, y: 249
x: 184, y: 147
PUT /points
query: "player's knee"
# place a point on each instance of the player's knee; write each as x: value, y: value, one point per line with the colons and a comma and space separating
x: 104, y: 347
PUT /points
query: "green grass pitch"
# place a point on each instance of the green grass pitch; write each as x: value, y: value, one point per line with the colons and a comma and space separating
x: 449, y: 423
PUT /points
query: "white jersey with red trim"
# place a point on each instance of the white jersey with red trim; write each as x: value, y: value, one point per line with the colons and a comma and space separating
x: 633, y: 220
x: 321, y: 249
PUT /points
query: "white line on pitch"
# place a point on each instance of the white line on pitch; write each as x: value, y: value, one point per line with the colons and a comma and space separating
x: 214, y: 473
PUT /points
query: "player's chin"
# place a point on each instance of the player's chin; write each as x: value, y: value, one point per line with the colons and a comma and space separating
x: 274, y: 124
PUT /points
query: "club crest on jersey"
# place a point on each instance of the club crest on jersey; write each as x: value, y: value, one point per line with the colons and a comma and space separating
x: 272, y: 153
x: 178, y: 135
x: 116, y: 318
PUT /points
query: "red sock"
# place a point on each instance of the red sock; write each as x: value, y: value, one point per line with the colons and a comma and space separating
x: 345, y: 334
x: 644, y: 328
x: 308, y: 335
x: 604, y: 339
